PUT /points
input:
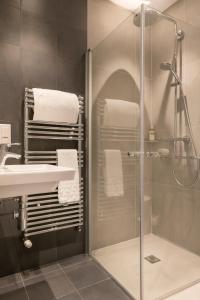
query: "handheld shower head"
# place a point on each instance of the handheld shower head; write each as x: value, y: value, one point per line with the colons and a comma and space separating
x: 166, y: 66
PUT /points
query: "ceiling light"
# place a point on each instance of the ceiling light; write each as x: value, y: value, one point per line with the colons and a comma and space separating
x: 134, y: 4
x: 130, y: 4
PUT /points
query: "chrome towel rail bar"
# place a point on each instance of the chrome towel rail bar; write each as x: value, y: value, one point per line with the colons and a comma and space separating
x: 42, y: 213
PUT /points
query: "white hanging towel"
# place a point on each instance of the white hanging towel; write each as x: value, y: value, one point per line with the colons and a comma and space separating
x: 121, y: 113
x: 113, y: 183
x: 68, y: 191
x: 55, y: 106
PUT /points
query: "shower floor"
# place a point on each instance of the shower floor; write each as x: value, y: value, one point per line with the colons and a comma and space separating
x: 177, y: 268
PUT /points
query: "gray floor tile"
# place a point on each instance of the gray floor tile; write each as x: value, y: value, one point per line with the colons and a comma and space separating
x: 34, y: 280
x: 40, y: 291
x: 52, y: 282
x: 68, y: 262
x: 86, y: 274
x: 49, y: 267
x: 106, y: 290
x: 19, y: 294
x: 10, y: 283
x: 73, y: 296
x: 10, y: 279
x: 59, y: 283
x: 31, y: 274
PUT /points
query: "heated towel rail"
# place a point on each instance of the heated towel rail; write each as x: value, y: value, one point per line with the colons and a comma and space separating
x: 42, y: 213
x: 122, y: 139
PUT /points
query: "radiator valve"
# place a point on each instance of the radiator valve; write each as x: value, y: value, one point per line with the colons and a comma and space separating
x: 27, y: 243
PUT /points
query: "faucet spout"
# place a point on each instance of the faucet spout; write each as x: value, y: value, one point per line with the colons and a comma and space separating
x: 9, y: 155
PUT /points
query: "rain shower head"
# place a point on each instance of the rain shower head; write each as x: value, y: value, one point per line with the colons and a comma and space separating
x: 151, y: 15
x: 149, y: 18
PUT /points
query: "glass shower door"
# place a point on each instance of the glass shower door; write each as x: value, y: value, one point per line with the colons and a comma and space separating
x: 115, y: 239
x: 171, y: 259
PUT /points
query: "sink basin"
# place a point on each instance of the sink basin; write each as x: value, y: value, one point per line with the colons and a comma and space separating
x: 20, y: 180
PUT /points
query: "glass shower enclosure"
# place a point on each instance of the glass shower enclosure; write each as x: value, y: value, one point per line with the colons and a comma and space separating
x: 143, y: 166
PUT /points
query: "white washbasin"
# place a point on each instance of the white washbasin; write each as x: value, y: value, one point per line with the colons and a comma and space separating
x: 20, y: 180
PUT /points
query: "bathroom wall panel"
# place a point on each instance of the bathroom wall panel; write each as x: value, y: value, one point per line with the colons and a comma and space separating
x: 100, y: 23
x: 38, y: 34
x: 192, y: 12
x: 178, y: 10
x: 10, y: 71
x: 176, y: 209
x: 176, y: 215
x: 39, y: 69
x: 11, y: 110
x: 68, y: 11
x: 14, y: 3
x: 47, y: 10
x: 41, y: 45
x: 70, y: 76
x: 74, y: 245
x: 10, y: 24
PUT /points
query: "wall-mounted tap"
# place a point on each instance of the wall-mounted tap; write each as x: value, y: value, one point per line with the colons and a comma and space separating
x: 5, y: 153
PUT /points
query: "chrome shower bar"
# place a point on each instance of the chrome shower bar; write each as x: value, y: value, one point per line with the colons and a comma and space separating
x: 159, y: 13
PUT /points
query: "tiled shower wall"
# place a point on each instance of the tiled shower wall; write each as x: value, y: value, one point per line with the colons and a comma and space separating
x: 42, y: 44
x: 176, y: 210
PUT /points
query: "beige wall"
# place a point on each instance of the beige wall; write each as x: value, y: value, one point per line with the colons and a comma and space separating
x: 176, y: 210
x: 103, y: 18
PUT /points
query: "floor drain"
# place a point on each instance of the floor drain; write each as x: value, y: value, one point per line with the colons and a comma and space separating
x: 152, y: 259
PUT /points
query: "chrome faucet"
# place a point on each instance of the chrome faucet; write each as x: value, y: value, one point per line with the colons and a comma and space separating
x: 5, y: 154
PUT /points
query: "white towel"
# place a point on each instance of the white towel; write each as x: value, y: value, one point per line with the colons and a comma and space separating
x: 68, y: 191
x: 55, y: 106
x: 120, y: 113
x: 113, y: 183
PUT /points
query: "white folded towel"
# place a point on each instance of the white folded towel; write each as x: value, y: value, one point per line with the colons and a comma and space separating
x: 69, y: 190
x: 120, y: 113
x: 113, y: 183
x: 55, y: 106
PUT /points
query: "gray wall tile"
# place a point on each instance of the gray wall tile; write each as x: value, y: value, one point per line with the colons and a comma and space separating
x: 45, y: 9
x: 31, y: 56
x: 10, y: 25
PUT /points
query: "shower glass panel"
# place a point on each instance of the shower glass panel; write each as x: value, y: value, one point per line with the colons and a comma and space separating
x: 115, y: 189
x: 171, y: 201
x: 144, y: 212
